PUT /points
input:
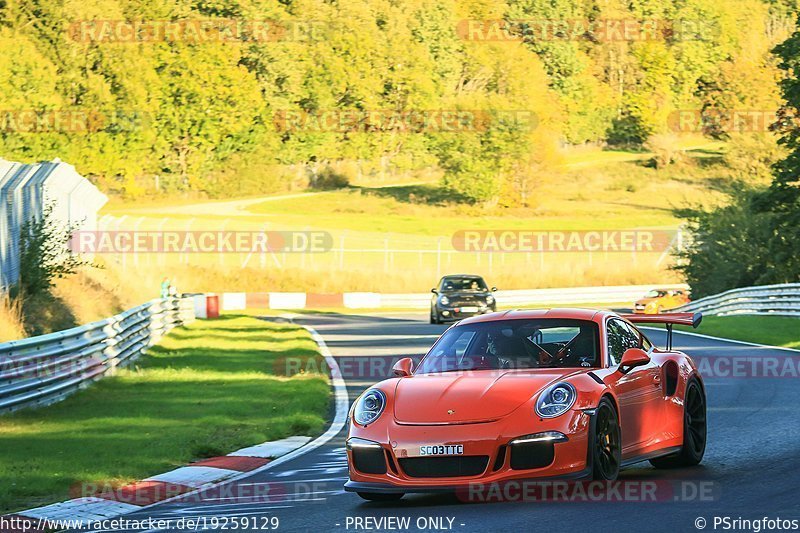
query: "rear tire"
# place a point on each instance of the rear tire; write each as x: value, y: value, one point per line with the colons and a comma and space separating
x: 695, y: 430
x: 607, y: 443
x: 381, y: 497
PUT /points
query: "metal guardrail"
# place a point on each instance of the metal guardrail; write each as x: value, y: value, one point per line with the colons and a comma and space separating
x: 779, y: 300
x: 48, y: 368
x: 24, y: 188
x: 535, y: 297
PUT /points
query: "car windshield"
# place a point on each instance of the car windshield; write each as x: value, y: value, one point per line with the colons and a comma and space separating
x: 514, y: 344
x: 655, y: 294
x: 463, y: 283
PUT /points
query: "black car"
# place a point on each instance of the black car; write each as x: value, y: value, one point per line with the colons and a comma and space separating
x: 459, y: 296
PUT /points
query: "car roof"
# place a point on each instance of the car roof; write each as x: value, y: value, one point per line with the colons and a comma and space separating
x: 462, y: 276
x: 573, y: 313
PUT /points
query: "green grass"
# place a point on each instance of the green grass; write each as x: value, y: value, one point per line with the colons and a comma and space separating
x: 205, y: 390
x: 772, y: 330
x: 692, y: 145
x: 398, y: 239
x: 610, y: 190
x: 609, y: 195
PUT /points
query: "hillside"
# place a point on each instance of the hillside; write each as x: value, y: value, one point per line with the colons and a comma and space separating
x: 197, y: 99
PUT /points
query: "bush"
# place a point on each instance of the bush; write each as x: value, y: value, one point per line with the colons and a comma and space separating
x: 751, y: 157
x: 11, y: 324
x: 473, y: 185
x: 328, y: 179
x: 729, y: 247
x: 45, y: 254
x: 666, y: 149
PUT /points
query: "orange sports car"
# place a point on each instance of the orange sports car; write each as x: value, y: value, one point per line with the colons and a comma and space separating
x: 539, y: 394
x: 659, y: 300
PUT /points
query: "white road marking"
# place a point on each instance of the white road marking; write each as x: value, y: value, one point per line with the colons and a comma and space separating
x: 726, y: 340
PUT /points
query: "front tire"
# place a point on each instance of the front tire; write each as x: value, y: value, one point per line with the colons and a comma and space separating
x: 695, y: 430
x: 435, y: 317
x: 607, y: 443
x: 381, y: 497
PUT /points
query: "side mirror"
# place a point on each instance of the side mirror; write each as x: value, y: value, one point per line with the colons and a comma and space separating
x: 494, y: 289
x: 634, y: 357
x: 434, y: 291
x: 403, y: 367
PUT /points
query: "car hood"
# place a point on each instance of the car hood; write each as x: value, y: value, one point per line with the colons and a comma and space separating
x: 645, y: 301
x: 453, y: 398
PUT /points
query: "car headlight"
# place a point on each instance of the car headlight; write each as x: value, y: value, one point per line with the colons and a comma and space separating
x: 489, y: 300
x: 556, y: 400
x: 369, y: 407
x: 444, y: 300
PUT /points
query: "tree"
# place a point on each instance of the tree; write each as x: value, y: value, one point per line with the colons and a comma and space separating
x: 728, y: 247
x: 754, y: 240
x: 204, y: 110
x: 782, y: 200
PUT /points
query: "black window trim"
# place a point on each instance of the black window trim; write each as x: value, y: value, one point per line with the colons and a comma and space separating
x: 609, y: 360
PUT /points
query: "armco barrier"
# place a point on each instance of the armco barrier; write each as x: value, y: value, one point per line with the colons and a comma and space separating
x: 45, y: 369
x: 599, y: 296
x: 783, y: 300
x: 541, y: 297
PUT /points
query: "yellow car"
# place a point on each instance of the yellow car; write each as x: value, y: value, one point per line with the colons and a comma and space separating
x: 658, y: 300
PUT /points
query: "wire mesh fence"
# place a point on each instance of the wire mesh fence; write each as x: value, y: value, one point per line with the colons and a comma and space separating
x: 361, y: 251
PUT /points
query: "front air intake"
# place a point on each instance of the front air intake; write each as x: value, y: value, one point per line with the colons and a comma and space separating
x: 530, y: 455
x: 369, y: 460
x: 456, y: 466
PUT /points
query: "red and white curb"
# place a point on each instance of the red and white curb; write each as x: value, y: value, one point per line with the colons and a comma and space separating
x: 559, y: 297
x: 199, y: 476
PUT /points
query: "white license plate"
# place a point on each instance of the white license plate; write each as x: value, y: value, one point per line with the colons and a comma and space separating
x: 469, y: 309
x: 442, y: 449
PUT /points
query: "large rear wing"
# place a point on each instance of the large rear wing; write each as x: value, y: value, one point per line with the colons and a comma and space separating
x: 670, y: 319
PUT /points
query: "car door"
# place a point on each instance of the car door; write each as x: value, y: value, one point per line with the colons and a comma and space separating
x: 638, y: 390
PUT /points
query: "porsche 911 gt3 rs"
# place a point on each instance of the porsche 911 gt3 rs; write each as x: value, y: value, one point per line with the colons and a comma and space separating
x: 538, y: 394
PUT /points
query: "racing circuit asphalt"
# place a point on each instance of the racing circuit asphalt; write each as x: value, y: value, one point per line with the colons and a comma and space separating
x: 751, y: 467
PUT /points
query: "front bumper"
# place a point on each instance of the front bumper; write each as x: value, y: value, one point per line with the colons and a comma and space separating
x: 459, y: 312
x: 385, y: 488
x: 392, y: 472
